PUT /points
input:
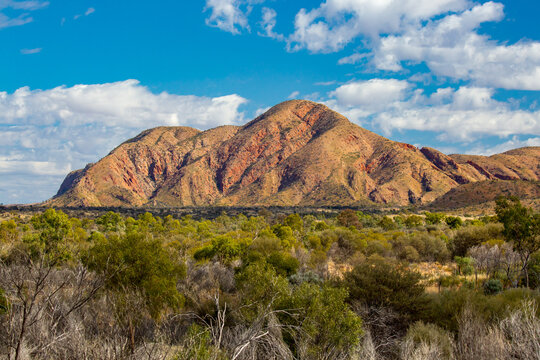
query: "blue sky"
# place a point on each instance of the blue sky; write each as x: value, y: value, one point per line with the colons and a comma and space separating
x: 78, y: 77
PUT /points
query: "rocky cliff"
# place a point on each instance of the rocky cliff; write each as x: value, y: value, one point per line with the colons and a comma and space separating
x: 297, y: 153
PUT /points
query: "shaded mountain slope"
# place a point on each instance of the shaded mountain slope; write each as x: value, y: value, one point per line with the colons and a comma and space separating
x: 483, y: 192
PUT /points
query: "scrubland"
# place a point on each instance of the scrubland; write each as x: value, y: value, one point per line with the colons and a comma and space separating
x: 355, y: 286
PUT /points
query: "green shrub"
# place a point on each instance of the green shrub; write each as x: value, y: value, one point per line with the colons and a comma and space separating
x: 285, y: 264
x: 327, y: 325
x: 470, y: 236
x: 413, y: 221
x: 492, y: 287
x: 197, y: 345
x: 454, y: 222
x: 434, y: 218
x: 380, y: 283
x: 140, y: 264
x: 387, y: 223
x: 223, y: 247
x: 9, y: 232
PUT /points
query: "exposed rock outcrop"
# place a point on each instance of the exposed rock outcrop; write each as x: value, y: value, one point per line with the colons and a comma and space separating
x: 297, y: 153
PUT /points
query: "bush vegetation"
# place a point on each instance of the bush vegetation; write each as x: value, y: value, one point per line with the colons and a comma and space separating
x: 351, y: 286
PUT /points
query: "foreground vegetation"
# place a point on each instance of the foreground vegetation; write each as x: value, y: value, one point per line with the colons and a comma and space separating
x: 355, y: 286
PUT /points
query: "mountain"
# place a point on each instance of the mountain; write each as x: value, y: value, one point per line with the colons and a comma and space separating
x: 297, y: 153
x: 485, y: 193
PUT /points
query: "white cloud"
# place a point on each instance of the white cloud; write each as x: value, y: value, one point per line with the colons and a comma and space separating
x: 268, y: 24
x: 20, y: 19
x: 393, y: 34
x: 23, y: 5
x: 513, y: 143
x: 31, y: 51
x: 325, y: 83
x: 261, y: 111
x: 6, y: 22
x: 371, y: 94
x: 89, y: 11
x: 294, y: 95
x: 336, y: 23
x: 352, y: 59
x: 451, y: 47
x: 49, y: 132
x: 229, y: 15
x: 459, y: 116
x: 462, y: 115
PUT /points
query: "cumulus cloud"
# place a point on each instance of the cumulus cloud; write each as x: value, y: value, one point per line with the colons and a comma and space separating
x: 374, y: 93
x: 451, y: 47
x: 462, y: 115
x: 230, y: 15
x: 268, y: 24
x: 50, y: 132
x: 16, y: 6
x: 336, y: 23
x: 392, y: 34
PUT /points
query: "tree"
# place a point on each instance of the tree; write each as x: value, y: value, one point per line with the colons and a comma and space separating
x: 521, y: 227
x: 434, y: 218
x: 454, y: 222
x: 413, y: 221
x: 349, y: 218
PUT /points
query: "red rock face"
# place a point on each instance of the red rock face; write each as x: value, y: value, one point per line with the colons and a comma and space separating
x: 297, y: 153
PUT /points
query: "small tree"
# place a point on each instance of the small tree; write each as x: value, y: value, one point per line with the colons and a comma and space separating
x: 349, y: 218
x: 434, y: 218
x: 521, y: 227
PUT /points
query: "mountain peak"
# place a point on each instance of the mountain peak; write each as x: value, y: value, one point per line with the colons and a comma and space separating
x: 297, y: 153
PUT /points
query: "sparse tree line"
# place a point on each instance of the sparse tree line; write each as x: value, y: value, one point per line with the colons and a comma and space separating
x: 271, y: 286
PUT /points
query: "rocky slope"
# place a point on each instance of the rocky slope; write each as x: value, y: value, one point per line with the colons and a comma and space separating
x: 297, y: 153
x: 485, y: 192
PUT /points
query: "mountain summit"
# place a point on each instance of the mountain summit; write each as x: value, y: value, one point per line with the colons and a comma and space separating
x: 297, y: 153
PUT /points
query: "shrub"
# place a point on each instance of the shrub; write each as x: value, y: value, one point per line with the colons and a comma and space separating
x: 223, y: 247
x: 492, y: 287
x: 387, y: 223
x: 328, y: 327
x: 470, y: 236
x: 284, y: 264
x: 197, y: 345
x: 133, y: 262
x: 413, y: 221
x: 428, y: 336
x: 434, y: 218
x: 454, y: 222
x: 380, y: 283
x: 8, y: 231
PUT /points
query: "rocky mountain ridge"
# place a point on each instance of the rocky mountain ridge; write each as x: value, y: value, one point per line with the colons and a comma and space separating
x: 297, y: 153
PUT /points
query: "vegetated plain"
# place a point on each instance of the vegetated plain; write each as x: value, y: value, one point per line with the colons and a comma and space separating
x: 276, y: 284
